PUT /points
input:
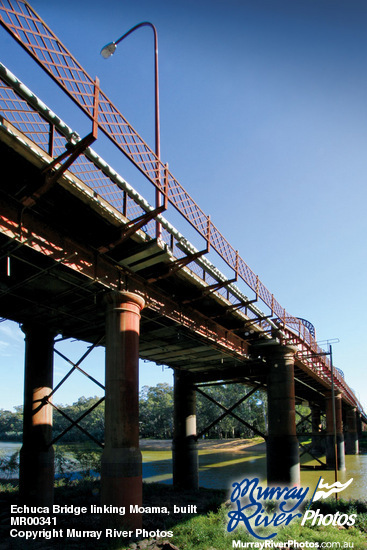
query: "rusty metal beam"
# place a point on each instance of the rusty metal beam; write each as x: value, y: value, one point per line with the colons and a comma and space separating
x: 47, y: 240
x: 23, y: 23
x: 71, y: 154
x: 307, y: 450
x: 178, y: 264
x: 132, y: 227
x: 209, y: 290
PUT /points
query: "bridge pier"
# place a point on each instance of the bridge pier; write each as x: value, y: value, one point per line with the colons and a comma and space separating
x: 360, y: 425
x: 121, y: 466
x: 351, y: 433
x: 330, y: 443
x: 317, y: 439
x: 184, y: 445
x: 283, y: 464
x: 36, y: 471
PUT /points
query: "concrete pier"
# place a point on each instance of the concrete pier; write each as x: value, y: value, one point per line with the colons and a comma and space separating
x: 121, y: 471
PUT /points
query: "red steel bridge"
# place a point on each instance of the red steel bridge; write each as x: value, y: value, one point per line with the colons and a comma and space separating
x: 84, y: 255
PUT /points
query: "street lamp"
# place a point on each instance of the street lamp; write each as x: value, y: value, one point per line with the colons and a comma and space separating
x: 110, y: 49
x: 107, y: 51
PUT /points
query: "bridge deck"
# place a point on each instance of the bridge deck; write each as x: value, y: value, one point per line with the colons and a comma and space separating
x: 64, y: 248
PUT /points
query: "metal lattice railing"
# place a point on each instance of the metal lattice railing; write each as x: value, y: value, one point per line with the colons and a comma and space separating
x: 24, y: 24
x: 18, y: 18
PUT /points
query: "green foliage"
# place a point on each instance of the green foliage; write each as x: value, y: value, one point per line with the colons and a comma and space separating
x: 88, y: 460
x: 331, y: 506
x: 253, y: 410
x: 11, y: 424
x: 64, y: 462
x: 207, y: 529
x: 93, y: 422
x: 156, y: 411
x: 9, y: 464
x: 156, y: 415
x: 304, y: 425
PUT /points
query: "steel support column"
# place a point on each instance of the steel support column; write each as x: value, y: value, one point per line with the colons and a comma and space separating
x: 36, y: 472
x: 351, y: 433
x: 359, y: 424
x: 317, y: 440
x: 121, y: 471
x: 283, y: 463
x: 184, y: 445
x: 334, y: 441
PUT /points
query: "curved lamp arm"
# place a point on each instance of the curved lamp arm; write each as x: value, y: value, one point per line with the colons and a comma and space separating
x: 109, y: 49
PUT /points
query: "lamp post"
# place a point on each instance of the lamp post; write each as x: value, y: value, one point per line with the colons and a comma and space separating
x: 334, y: 432
x: 107, y: 51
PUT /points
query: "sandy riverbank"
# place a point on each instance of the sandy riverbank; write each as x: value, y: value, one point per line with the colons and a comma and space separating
x: 230, y: 445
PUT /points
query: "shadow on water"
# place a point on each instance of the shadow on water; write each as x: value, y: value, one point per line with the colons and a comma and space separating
x: 218, y: 469
x: 220, y: 463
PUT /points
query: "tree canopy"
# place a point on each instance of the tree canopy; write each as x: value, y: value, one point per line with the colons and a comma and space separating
x: 156, y: 414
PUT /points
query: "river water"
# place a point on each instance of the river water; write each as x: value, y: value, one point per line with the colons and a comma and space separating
x: 218, y: 468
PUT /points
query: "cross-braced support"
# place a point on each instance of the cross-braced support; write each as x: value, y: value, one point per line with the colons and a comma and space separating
x: 37, y: 454
x: 229, y: 411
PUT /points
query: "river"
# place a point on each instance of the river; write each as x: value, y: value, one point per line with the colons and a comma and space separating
x: 221, y: 463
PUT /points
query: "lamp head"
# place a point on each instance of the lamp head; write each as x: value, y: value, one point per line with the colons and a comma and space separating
x: 108, y: 50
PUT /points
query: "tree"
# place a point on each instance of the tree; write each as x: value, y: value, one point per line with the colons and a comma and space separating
x: 252, y: 410
x: 156, y: 411
x: 11, y: 424
x: 93, y: 422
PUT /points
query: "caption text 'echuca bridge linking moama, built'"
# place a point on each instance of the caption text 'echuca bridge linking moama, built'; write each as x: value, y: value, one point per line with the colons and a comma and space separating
x: 84, y: 255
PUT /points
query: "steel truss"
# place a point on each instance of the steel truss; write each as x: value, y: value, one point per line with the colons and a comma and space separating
x: 229, y: 411
x: 307, y: 449
x: 48, y: 398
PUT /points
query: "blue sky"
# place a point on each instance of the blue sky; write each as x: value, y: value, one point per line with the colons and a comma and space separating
x: 264, y: 122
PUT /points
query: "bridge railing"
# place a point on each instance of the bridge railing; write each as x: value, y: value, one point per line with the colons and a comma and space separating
x: 28, y: 114
x: 32, y: 33
x: 28, y: 29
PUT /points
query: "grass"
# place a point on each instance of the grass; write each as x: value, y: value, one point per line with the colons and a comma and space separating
x: 208, y: 531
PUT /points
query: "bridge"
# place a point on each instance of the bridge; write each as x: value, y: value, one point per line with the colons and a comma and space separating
x: 84, y: 255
